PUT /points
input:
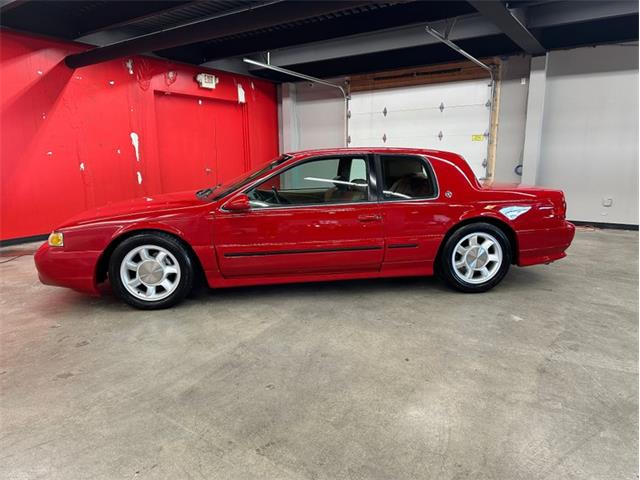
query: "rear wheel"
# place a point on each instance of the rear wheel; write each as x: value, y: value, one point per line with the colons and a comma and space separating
x: 151, y: 271
x: 475, y: 258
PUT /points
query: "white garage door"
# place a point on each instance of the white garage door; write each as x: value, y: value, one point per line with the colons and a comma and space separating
x: 450, y: 116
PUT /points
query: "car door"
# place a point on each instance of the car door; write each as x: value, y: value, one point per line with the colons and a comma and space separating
x: 412, y: 210
x: 318, y: 216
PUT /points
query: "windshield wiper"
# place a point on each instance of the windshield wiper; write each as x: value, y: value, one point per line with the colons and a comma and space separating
x: 205, y: 192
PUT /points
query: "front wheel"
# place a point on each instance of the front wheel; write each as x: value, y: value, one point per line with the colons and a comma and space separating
x: 151, y: 271
x: 475, y: 258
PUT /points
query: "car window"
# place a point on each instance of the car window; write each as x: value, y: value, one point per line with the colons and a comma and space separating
x: 406, y: 177
x: 327, y: 180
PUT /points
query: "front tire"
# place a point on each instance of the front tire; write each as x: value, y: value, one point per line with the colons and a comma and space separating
x: 475, y: 258
x: 151, y: 271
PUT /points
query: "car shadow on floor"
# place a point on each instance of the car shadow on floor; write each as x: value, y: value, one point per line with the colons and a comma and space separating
x: 518, y: 281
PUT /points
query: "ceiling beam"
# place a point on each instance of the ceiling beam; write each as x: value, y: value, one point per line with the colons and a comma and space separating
x: 572, y: 11
x: 472, y: 26
x: 497, y: 13
x: 253, y: 18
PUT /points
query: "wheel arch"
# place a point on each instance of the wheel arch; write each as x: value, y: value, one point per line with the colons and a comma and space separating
x: 102, y: 266
x: 502, y: 225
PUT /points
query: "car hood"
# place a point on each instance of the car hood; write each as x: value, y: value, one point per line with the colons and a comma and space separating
x: 137, y: 207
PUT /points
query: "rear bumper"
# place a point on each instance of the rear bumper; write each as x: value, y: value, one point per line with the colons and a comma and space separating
x: 74, y: 270
x: 544, y: 245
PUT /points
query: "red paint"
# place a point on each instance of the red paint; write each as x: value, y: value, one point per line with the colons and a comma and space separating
x: 66, y: 144
x: 325, y: 242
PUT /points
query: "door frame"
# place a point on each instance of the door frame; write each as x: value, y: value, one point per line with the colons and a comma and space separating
x: 380, y: 178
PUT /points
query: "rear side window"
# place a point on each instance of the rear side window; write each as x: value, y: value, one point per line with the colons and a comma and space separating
x: 406, y: 177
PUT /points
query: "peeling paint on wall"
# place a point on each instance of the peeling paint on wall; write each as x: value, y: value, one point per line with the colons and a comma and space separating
x: 241, y: 98
x: 135, y: 141
x: 170, y: 77
x: 129, y: 65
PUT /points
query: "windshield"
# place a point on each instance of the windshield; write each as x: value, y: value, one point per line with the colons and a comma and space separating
x: 223, y: 189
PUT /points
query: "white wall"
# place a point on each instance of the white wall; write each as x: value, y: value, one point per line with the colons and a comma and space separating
x: 311, y: 116
x: 589, y: 144
x: 514, y: 90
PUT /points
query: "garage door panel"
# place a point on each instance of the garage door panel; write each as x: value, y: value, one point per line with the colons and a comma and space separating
x: 466, y: 120
x: 361, y: 102
x: 367, y: 141
x: 362, y: 126
x: 476, y: 92
x: 447, y: 116
x: 412, y: 122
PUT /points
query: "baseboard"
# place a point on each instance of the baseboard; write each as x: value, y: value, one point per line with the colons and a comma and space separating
x: 615, y: 226
x: 20, y: 240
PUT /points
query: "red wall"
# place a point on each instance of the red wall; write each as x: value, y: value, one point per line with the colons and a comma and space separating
x: 66, y: 135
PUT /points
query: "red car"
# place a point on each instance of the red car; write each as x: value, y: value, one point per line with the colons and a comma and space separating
x: 313, y: 216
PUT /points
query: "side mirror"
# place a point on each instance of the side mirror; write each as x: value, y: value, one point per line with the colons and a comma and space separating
x: 238, y: 204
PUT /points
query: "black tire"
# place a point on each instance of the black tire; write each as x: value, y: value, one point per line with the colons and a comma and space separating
x: 445, y: 263
x: 167, y: 242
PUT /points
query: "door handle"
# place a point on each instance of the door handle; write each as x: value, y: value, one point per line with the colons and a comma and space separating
x: 369, y: 218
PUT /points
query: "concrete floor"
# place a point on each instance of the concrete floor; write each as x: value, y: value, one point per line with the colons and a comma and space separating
x: 391, y: 379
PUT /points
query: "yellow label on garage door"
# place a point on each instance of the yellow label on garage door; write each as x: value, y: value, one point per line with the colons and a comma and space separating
x: 477, y: 138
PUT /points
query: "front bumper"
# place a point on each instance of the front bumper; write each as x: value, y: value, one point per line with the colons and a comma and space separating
x: 544, y: 245
x: 62, y: 268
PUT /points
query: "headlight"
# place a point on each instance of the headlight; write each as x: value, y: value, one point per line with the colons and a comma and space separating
x: 56, y: 239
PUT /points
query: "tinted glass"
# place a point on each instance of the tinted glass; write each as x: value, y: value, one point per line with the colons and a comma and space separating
x: 329, y: 180
x: 406, y: 177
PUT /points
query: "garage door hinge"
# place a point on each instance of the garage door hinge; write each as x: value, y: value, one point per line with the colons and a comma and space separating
x: 348, y: 113
x: 441, y: 107
x: 384, y: 138
x: 440, y: 135
x: 348, y: 139
x: 384, y: 112
x: 488, y: 104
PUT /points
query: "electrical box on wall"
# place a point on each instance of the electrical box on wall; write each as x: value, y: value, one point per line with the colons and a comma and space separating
x: 207, y: 80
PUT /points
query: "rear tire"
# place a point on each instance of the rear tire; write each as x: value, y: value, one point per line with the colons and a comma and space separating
x: 475, y: 258
x: 151, y: 271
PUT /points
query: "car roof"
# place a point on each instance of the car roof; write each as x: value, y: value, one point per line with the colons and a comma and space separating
x: 437, y: 156
x: 342, y: 150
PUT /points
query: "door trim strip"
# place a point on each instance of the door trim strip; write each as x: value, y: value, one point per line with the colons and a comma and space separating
x: 293, y: 252
x: 404, y: 245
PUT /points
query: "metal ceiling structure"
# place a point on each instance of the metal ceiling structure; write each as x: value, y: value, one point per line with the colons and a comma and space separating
x: 321, y: 38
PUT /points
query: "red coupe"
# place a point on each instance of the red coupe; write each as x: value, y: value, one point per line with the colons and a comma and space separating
x: 313, y: 216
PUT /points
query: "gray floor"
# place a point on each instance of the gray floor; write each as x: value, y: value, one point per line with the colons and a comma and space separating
x: 390, y: 379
